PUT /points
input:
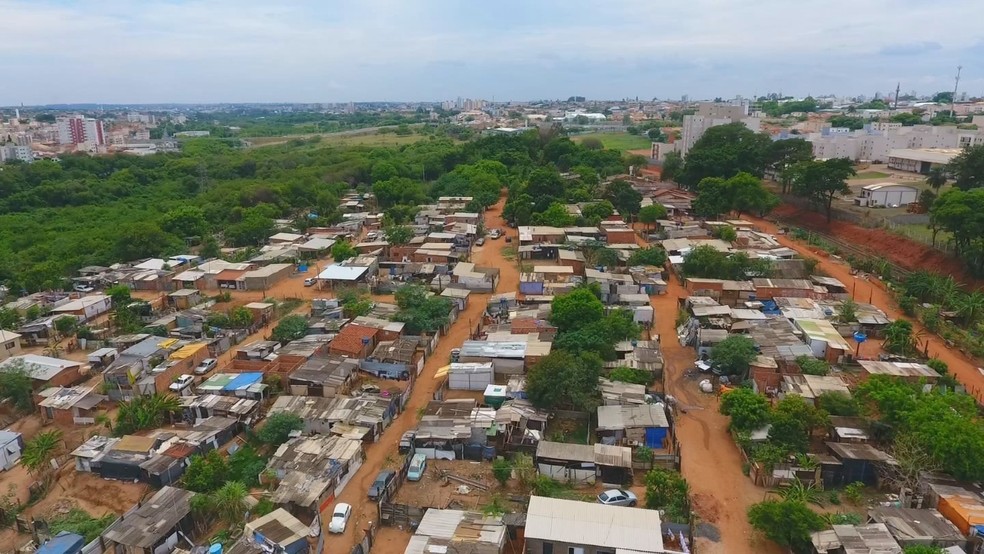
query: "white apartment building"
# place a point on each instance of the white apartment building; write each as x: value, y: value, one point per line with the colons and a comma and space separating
x: 12, y: 151
x: 876, y: 141
x: 712, y: 114
x: 81, y: 130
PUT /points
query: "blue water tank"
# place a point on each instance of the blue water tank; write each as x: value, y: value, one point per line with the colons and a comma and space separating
x: 215, y: 549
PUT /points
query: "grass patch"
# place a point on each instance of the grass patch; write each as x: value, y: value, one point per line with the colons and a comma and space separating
x: 573, y: 431
x: 334, y: 140
x: 619, y: 141
x: 871, y: 175
x: 921, y: 233
x: 509, y: 253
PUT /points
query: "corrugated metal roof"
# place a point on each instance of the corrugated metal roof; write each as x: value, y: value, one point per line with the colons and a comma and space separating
x: 612, y: 527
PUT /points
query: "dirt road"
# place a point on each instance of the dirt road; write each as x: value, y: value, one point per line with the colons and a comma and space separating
x: 963, y: 367
x: 712, y: 465
x: 384, y: 451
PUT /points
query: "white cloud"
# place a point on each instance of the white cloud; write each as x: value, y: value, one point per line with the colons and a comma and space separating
x: 240, y: 50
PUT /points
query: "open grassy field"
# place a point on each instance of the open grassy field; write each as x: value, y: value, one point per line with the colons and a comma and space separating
x: 871, y: 175
x: 330, y: 139
x: 619, y: 141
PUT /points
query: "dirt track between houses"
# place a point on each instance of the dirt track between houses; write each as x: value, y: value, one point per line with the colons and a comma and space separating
x: 384, y: 451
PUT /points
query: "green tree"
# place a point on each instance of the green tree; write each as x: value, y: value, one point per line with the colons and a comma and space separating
x: 820, y: 181
x: 734, y: 354
x: 39, y: 451
x: 343, y: 250
x: 922, y: 549
x: 724, y: 151
x: 967, y: 168
x: 784, y: 154
x: 230, y: 502
x: 185, y: 221
x: 598, y: 211
x: 205, y: 473
x: 278, y: 427
x: 562, y: 380
x: 936, y: 177
x: 291, y: 327
x: 422, y: 311
x: 652, y: 255
x: 10, y: 319
x: 66, y: 325
x: 748, y: 410
x: 241, y: 317
x: 626, y: 199
x: 556, y: 215
x: 145, y: 412
x: 788, y: 523
x: 398, y: 235
x: 254, y: 228
x: 672, y: 166
x: 210, y: 248
x: 502, y: 470
x: 630, y: 375
x: 651, y: 214
x: 120, y: 295
x: 837, y: 403
x: 793, y: 422
x: 812, y: 366
x: 16, y: 386
x: 575, y: 309
x: 668, y: 491
x: 899, y: 337
x: 143, y: 240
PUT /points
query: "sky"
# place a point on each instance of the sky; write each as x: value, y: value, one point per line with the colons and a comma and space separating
x: 187, y: 51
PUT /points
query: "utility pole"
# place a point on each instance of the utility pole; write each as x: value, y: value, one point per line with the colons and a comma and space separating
x: 898, y: 87
x: 954, y: 97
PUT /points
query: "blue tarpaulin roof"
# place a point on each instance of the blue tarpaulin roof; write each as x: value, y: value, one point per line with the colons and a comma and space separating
x: 63, y: 543
x: 243, y: 380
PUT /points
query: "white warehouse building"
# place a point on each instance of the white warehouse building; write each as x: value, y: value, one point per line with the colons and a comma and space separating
x: 886, y: 194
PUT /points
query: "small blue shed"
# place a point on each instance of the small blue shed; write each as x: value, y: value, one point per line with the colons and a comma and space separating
x: 63, y: 543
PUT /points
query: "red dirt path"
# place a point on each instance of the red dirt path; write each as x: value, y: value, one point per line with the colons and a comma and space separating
x: 895, y: 248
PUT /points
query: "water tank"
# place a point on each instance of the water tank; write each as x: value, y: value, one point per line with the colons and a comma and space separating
x: 215, y: 549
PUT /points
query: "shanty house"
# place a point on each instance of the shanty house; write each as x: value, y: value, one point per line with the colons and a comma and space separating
x: 451, y: 531
x: 914, y: 527
x: 10, y: 344
x: 45, y: 371
x: 569, y: 526
x: 636, y: 425
x: 152, y: 526
x: 277, y: 531
x: 11, y: 446
x: 311, y: 471
x: 69, y: 405
x: 584, y: 463
x: 323, y: 376
x: 859, y: 462
x: 855, y: 539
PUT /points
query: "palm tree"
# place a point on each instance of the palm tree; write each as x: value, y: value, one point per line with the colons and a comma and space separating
x: 797, y: 491
x: 39, y: 451
x: 920, y: 285
x: 936, y: 177
x: 230, y: 502
x: 946, y: 291
x: 970, y: 307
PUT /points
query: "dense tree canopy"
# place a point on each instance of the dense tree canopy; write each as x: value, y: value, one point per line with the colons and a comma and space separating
x: 563, y: 380
x: 820, y: 181
x: 724, y: 151
x: 967, y: 168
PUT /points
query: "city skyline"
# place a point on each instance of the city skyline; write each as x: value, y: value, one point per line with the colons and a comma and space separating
x: 382, y: 50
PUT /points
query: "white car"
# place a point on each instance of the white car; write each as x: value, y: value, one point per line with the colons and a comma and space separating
x: 339, y: 518
x: 83, y: 288
x: 182, y: 382
x: 208, y: 364
x: 617, y: 497
x: 310, y: 281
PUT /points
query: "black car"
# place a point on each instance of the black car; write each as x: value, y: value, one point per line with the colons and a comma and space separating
x: 382, y: 483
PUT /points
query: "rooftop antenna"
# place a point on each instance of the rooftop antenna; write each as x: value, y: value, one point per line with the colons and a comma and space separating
x: 954, y: 97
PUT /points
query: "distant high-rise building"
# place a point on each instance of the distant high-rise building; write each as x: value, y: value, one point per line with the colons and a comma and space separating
x: 712, y: 114
x: 11, y: 151
x: 81, y: 130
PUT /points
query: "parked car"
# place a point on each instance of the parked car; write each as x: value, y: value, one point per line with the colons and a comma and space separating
x: 182, y: 382
x: 208, y: 364
x: 83, y: 288
x: 455, y: 355
x: 372, y: 235
x: 480, y: 241
x: 418, y: 464
x: 617, y: 497
x: 495, y: 233
x: 406, y: 442
x: 339, y: 518
x: 310, y: 281
x: 382, y: 482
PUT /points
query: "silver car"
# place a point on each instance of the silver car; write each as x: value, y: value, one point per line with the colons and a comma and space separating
x: 617, y: 497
